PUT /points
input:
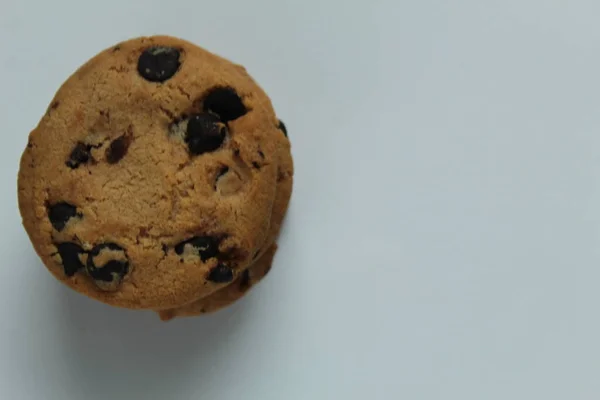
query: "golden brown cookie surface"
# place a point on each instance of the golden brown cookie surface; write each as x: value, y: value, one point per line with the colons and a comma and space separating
x: 157, y: 175
x: 227, y: 295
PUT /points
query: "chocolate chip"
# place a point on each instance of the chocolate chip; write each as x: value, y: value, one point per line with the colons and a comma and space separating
x: 204, y: 133
x: 245, y: 280
x: 282, y: 127
x: 207, y: 247
x: 112, y: 269
x: 79, y: 155
x: 117, y: 149
x: 220, y: 274
x: 69, y: 253
x: 225, y: 102
x: 158, y: 63
x: 60, y: 213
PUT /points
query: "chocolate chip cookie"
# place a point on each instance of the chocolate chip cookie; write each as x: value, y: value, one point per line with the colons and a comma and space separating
x: 158, y: 179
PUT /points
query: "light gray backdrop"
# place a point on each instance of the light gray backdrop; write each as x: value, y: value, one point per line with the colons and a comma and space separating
x: 442, y: 241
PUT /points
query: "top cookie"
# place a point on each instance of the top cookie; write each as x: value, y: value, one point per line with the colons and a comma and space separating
x: 156, y: 175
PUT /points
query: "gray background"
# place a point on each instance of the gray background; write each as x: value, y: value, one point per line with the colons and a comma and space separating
x: 442, y: 241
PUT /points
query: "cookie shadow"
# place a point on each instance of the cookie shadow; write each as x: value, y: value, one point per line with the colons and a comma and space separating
x: 117, y: 353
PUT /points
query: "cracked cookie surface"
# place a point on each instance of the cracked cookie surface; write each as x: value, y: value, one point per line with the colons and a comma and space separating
x: 158, y: 176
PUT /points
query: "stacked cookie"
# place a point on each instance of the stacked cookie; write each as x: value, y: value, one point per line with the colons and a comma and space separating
x: 157, y: 179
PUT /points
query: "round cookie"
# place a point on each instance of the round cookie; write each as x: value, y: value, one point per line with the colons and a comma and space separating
x: 158, y: 174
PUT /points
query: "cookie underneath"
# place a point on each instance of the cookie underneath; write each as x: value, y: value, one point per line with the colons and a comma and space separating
x: 229, y: 294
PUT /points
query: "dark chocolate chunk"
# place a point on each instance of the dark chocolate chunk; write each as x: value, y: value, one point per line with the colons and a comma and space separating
x: 208, y: 247
x: 117, y: 149
x: 204, y: 133
x: 60, y: 213
x: 112, y: 270
x: 225, y: 102
x: 158, y: 63
x: 220, y: 274
x: 69, y: 253
x: 282, y: 127
x: 79, y: 155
